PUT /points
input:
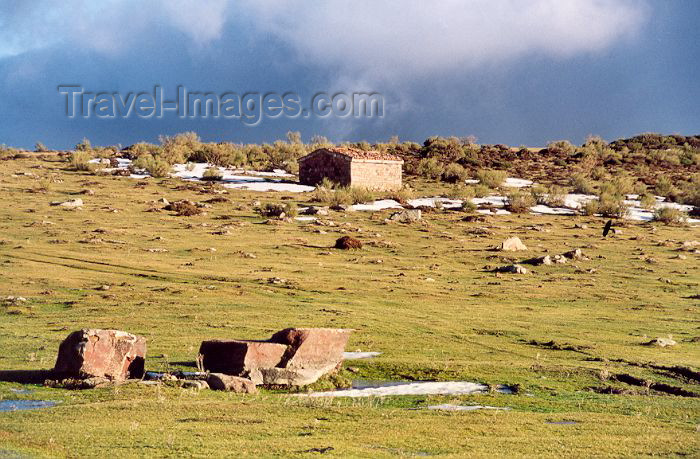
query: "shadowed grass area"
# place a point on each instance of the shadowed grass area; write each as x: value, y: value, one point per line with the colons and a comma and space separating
x: 421, y: 294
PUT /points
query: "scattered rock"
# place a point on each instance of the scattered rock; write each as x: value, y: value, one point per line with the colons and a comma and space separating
x: 661, y: 342
x: 406, y: 216
x: 220, y: 381
x: 71, y: 204
x: 347, y: 243
x: 512, y: 244
x: 537, y: 261
x: 575, y: 254
x: 111, y: 354
x: 314, y: 210
x: 512, y: 269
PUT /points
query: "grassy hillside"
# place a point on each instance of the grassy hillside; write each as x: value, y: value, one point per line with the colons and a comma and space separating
x: 422, y: 294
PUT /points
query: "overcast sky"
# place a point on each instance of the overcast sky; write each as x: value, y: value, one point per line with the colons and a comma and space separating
x: 521, y: 72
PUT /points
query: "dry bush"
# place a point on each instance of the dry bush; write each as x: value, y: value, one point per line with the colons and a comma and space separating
x: 184, y: 208
x: 212, y: 174
x: 519, y: 202
x: 454, y: 173
x: 401, y: 196
x: 80, y: 161
x: 607, y: 205
x: 582, y: 184
x: 491, y: 178
x: 360, y: 195
x: 155, y: 166
x: 647, y: 201
x: 429, y: 168
x: 461, y: 192
x: 670, y: 216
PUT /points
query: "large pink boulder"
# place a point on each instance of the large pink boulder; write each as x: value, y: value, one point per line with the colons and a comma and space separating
x: 294, y: 356
x: 241, y: 357
x: 94, y: 353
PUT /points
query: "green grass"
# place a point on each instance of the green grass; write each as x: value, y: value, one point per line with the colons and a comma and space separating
x: 468, y: 324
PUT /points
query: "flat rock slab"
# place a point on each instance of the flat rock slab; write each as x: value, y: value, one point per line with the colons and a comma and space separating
x: 291, y: 357
x: 94, y: 353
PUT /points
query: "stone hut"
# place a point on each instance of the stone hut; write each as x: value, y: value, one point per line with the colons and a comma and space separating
x: 352, y: 167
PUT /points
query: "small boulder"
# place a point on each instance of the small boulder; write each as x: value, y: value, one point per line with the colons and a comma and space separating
x: 575, y: 254
x: 537, y: 261
x: 512, y: 244
x: 662, y: 342
x: 220, y: 381
x: 71, y: 204
x: 347, y: 243
x: 314, y: 210
x: 94, y: 353
x: 512, y: 269
x: 406, y: 216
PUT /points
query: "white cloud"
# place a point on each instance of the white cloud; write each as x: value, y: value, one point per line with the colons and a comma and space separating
x: 416, y: 37
x: 106, y: 26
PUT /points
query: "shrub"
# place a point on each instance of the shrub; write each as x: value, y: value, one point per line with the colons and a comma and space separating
x: 590, y: 208
x: 468, y: 206
x: 619, y: 185
x: 212, y: 174
x: 155, y: 166
x: 454, y: 173
x: 561, y: 147
x: 84, y: 145
x: 491, y: 178
x: 582, y: 184
x: 519, y: 202
x: 80, y: 161
x: 612, y: 206
x: 40, y: 147
x: 143, y: 148
x: 401, y: 196
x: 359, y: 195
x: 664, y: 186
x: 461, y: 192
x: 481, y: 190
x: 322, y: 194
x: 647, y: 201
x: 340, y: 197
x: 669, y: 216
x: 429, y: 168
x: 184, y: 208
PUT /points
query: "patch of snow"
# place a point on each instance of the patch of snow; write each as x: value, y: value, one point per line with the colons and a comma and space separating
x: 378, y: 205
x: 432, y: 202
x: 305, y: 218
x: 409, y: 388
x: 450, y: 407
x: 576, y: 201
x: 495, y: 212
x: 517, y: 183
x: 195, y: 172
x: 542, y: 209
x: 496, y: 201
x: 471, y: 181
x: 360, y: 355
